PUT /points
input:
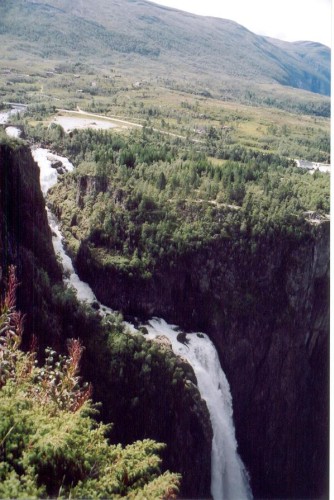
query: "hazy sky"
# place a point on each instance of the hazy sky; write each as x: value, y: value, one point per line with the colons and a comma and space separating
x: 290, y: 20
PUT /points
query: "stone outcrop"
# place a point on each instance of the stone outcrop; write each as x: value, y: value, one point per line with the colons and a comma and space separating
x: 265, y: 304
x: 89, y: 185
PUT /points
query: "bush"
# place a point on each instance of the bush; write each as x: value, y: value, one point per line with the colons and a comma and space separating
x: 50, y: 444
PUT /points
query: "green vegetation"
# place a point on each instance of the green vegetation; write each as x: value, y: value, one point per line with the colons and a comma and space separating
x: 147, y: 40
x: 202, y: 178
x: 193, y: 118
x: 50, y: 444
x: 136, y: 200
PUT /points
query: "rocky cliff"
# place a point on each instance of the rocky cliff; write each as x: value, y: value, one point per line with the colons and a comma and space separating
x: 265, y: 303
x: 25, y: 235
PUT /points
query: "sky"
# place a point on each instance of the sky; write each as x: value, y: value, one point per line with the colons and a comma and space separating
x: 289, y: 20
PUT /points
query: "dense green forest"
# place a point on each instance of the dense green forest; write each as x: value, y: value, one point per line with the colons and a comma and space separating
x: 143, y: 197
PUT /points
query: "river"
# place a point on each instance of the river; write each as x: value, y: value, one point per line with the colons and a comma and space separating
x: 229, y: 479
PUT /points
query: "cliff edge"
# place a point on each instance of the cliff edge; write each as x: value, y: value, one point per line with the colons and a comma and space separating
x: 265, y: 303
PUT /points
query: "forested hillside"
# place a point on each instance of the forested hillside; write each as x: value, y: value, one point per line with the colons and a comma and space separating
x: 138, y: 202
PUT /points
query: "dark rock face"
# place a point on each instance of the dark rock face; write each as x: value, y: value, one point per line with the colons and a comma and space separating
x: 87, y: 185
x: 172, y: 414
x: 265, y: 304
x: 25, y: 234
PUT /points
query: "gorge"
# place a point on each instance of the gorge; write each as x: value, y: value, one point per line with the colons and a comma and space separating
x: 274, y: 352
x: 263, y: 300
x: 149, y: 170
x: 228, y: 476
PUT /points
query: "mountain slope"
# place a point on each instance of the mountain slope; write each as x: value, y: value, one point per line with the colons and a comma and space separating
x: 159, y: 41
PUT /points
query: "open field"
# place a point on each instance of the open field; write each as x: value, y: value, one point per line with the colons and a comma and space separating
x: 70, y: 120
x: 47, y: 88
x: 70, y: 123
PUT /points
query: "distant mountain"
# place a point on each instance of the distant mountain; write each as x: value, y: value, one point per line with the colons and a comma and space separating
x: 150, y: 40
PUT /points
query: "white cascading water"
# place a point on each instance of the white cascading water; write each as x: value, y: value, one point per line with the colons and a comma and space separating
x: 83, y: 290
x: 48, y: 178
x: 229, y: 479
x: 13, y: 132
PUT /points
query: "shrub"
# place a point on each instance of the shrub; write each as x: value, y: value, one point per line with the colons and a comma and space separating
x: 50, y: 446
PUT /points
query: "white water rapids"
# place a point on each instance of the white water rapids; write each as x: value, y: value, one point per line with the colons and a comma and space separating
x: 229, y: 479
x: 48, y: 178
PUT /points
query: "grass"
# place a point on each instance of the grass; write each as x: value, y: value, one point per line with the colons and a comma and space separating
x: 117, y: 96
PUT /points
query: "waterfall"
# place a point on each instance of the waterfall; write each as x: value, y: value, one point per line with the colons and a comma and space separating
x: 83, y: 290
x: 229, y: 479
x: 48, y: 172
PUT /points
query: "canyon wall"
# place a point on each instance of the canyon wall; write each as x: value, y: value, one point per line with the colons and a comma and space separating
x: 265, y: 303
x: 25, y: 238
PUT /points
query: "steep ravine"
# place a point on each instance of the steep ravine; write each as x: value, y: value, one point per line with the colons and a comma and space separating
x: 266, y: 307
x: 167, y: 410
x: 267, y: 311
